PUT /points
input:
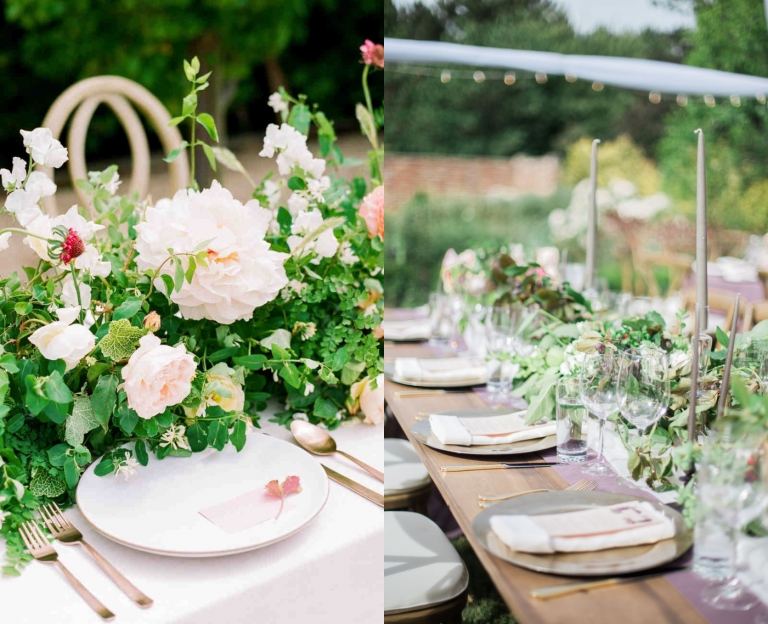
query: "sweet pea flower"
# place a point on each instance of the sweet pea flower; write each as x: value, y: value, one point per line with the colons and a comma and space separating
x: 64, y: 339
x: 5, y: 240
x: 372, y: 210
x: 157, y: 376
x: 44, y: 149
x: 277, y: 103
x: 324, y: 245
x: 16, y: 176
x: 372, y: 53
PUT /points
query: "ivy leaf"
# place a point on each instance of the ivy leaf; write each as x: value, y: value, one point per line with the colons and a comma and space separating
x: 46, y: 485
x: 56, y: 390
x: 237, y: 437
x: 80, y: 421
x: 121, y: 340
x: 127, y: 309
x: 104, y: 399
x: 71, y: 472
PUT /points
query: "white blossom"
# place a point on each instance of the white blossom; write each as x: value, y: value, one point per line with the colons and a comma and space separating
x: 44, y: 149
x: 277, y: 103
x: 16, y: 176
x: 324, y: 245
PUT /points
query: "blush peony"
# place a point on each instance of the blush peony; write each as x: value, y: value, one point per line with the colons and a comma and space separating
x: 157, y: 376
x: 242, y: 272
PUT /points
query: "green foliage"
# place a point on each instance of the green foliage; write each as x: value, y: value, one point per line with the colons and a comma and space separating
x: 730, y: 36
x: 420, y: 232
x: 120, y: 340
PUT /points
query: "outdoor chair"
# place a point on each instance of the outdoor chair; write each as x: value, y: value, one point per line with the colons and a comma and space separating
x: 719, y: 302
x: 425, y: 580
x: 81, y: 100
x: 406, y: 481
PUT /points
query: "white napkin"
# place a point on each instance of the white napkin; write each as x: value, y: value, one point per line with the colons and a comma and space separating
x: 485, y: 430
x: 415, y: 329
x: 440, y: 369
x: 737, y: 270
x: 614, y: 526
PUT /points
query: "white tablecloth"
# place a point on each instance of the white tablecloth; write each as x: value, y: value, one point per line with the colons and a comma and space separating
x: 330, y: 572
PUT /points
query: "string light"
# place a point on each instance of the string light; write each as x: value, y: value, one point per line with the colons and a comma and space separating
x: 509, y: 78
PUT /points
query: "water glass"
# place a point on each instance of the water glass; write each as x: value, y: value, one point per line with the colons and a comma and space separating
x: 598, y: 380
x: 499, y: 341
x: 643, y: 388
x: 572, y: 420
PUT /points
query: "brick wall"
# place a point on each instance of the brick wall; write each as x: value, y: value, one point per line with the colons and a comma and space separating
x: 405, y: 175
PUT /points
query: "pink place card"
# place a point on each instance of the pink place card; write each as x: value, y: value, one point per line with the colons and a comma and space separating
x: 244, y: 511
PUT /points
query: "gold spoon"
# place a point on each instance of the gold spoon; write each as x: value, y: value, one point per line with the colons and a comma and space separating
x: 318, y: 441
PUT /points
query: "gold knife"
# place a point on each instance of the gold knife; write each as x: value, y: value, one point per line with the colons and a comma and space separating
x: 357, y: 488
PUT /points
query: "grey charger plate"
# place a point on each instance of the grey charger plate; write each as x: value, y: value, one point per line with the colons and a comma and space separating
x: 609, y: 562
x: 423, y: 433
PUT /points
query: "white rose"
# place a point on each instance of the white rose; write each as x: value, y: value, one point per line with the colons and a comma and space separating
x: 324, y: 245
x: 64, y: 339
x: 157, y: 376
x: 242, y: 272
x: 44, y: 149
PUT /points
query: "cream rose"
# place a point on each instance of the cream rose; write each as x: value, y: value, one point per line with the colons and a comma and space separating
x: 223, y: 390
x: 157, y: 376
x: 64, y: 339
x: 242, y: 272
x: 370, y: 400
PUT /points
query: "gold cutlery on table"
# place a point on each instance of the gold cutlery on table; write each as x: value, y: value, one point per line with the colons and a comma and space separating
x: 557, y: 591
x: 408, y: 394
x: 318, y: 441
x: 582, y: 485
x: 64, y: 531
x: 496, y: 466
x: 40, y: 549
x: 357, y: 488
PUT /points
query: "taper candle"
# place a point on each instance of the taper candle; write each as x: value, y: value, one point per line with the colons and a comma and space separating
x: 725, y: 386
x: 695, y: 346
x: 589, y: 281
x: 701, y: 233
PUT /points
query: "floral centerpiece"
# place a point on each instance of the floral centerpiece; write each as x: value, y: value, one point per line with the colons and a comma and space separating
x: 163, y: 329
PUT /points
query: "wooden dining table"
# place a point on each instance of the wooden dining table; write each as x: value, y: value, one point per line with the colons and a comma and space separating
x: 652, y: 601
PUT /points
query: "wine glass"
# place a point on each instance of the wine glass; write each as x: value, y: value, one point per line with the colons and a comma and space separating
x: 643, y: 388
x: 598, y: 382
x: 733, y: 485
x: 499, y: 326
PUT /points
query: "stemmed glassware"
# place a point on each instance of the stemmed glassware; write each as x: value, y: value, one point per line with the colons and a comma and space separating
x: 598, y: 381
x: 643, y: 388
x: 500, y: 327
x: 733, y: 485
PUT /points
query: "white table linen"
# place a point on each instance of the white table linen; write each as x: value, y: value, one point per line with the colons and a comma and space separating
x: 329, y: 572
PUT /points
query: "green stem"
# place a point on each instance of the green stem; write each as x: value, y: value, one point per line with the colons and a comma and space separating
x: 367, y: 93
x: 25, y: 232
x: 76, y: 284
x: 192, y: 151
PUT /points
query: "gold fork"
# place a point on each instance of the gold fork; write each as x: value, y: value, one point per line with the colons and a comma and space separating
x: 582, y: 485
x: 40, y: 549
x: 64, y: 531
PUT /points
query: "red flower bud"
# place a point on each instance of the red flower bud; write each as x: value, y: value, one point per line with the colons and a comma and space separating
x: 72, y: 247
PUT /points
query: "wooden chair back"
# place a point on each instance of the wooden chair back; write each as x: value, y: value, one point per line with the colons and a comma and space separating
x: 81, y: 100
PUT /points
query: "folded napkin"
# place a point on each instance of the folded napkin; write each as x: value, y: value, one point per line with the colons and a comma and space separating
x: 414, y: 329
x: 614, y: 526
x: 484, y: 430
x: 451, y: 369
x: 737, y: 270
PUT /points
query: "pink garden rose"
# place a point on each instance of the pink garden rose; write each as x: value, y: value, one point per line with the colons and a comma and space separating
x: 157, y: 376
x: 372, y: 210
x: 372, y: 53
x: 369, y: 399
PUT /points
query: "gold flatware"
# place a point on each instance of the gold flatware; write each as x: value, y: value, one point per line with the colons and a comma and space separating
x: 557, y: 591
x: 40, y: 549
x: 582, y: 485
x: 357, y: 488
x: 64, y: 531
x: 496, y: 466
x: 318, y: 441
x: 409, y: 394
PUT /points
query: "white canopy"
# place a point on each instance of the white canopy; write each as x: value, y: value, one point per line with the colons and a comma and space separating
x: 630, y: 73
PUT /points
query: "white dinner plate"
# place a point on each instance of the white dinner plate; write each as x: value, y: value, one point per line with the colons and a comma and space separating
x: 157, y: 510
